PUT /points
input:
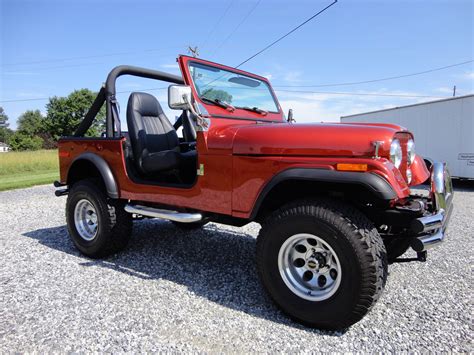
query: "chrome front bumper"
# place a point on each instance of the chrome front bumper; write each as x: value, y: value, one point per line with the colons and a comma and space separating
x: 431, y: 228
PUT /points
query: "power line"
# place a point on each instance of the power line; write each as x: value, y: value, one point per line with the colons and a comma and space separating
x: 55, y: 67
x: 376, y: 80
x: 86, y: 57
x: 237, y: 27
x: 277, y: 90
x: 36, y: 70
x: 47, y: 98
x: 360, y: 94
x: 218, y: 22
x: 287, y: 34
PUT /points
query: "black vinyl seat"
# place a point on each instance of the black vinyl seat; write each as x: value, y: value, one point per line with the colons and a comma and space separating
x: 155, y: 143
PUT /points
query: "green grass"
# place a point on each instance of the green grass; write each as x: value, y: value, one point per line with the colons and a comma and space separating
x: 24, y: 169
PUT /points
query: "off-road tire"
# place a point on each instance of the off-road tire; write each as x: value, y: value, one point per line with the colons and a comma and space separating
x: 354, y: 239
x: 190, y: 226
x: 114, y: 224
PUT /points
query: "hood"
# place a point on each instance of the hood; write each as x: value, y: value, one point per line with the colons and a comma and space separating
x: 317, y: 139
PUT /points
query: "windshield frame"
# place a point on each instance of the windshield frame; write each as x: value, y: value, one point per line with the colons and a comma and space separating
x: 219, y: 112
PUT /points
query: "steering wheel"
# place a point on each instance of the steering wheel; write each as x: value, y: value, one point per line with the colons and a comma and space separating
x: 189, y: 131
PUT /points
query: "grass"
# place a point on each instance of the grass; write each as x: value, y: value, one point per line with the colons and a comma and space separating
x: 24, y: 169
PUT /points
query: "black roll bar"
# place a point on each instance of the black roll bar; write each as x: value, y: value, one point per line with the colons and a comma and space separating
x: 107, y: 94
x: 90, y: 115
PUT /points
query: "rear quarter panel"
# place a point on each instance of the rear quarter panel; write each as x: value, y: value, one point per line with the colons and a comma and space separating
x: 211, y: 192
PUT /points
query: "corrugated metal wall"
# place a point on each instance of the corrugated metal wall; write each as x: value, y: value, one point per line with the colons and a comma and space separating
x: 444, y: 130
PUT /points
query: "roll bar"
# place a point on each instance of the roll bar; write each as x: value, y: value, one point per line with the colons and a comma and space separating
x: 107, y: 94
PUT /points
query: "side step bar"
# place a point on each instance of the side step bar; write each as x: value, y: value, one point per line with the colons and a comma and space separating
x: 163, y: 214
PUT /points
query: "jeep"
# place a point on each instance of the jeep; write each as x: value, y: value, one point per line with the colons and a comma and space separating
x: 333, y: 200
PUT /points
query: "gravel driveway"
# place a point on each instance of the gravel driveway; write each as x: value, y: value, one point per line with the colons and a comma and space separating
x: 198, y: 291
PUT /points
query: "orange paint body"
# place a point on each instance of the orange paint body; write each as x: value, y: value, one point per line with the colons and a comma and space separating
x: 240, y: 156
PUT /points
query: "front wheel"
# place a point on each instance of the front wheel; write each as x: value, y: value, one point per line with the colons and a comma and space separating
x: 98, y: 226
x: 322, y: 262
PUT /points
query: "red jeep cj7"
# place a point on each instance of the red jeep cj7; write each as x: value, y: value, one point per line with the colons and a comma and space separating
x: 333, y: 199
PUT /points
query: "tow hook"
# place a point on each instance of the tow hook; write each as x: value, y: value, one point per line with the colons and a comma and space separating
x: 420, y: 256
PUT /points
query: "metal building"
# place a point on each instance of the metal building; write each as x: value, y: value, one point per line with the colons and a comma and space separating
x: 443, y: 130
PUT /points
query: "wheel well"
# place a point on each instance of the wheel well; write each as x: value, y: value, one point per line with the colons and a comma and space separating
x: 89, y: 165
x: 83, y: 169
x: 293, y: 189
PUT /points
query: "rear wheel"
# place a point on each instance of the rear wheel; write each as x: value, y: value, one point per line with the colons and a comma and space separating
x: 98, y: 226
x: 322, y: 262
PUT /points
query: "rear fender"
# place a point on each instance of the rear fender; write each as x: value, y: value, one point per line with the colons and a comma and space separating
x: 102, y: 167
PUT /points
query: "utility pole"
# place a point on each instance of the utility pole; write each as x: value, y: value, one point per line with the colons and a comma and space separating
x: 193, y: 51
x: 454, y: 90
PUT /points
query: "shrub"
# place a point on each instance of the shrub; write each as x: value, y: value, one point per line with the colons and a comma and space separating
x: 21, y: 141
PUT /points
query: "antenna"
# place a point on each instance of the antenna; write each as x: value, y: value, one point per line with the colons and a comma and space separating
x: 193, y: 51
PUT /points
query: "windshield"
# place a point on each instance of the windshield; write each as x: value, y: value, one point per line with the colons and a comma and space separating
x: 218, y: 86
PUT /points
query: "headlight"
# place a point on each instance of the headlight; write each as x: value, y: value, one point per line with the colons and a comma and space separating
x: 396, y: 153
x: 411, y: 151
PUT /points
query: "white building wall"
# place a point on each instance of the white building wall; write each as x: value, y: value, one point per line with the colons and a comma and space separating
x: 443, y: 130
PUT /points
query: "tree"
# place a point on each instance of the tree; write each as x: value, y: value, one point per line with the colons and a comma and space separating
x: 64, y: 114
x: 22, y: 141
x: 221, y: 95
x: 5, y: 132
x: 32, y: 123
x: 3, y: 118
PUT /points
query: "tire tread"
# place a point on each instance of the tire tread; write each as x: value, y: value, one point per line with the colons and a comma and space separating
x: 366, y: 242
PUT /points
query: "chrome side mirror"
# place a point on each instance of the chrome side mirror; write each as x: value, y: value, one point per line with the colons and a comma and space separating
x: 179, y: 97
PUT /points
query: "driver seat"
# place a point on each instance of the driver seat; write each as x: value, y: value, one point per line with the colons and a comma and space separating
x: 154, y: 140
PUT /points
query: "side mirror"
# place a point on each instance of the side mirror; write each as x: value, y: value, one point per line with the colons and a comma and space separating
x: 179, y: 97
x: 290, y: 116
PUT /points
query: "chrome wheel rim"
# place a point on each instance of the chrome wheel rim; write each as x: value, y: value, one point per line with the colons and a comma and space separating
x: 85, y: 220
x: 309, y: 267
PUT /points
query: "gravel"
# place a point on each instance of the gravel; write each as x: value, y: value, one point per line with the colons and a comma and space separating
x: 174, y: 290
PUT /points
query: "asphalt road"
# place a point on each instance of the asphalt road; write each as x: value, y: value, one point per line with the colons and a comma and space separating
x: 198, y: 291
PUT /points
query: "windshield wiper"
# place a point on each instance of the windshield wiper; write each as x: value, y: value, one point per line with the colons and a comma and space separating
x: 255, y: 109
x: 219, y: 103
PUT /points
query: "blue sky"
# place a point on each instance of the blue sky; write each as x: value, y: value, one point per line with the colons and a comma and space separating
x: 53, y: 47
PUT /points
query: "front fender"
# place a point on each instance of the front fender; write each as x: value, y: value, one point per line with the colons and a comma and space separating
x: 373, y: 182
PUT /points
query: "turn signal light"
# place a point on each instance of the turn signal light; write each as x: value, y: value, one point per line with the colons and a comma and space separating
x: 351, y: 167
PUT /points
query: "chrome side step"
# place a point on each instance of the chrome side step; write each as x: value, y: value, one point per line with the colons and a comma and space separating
x: 163, y: 214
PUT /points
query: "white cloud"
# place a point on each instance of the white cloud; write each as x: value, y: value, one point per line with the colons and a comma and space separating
x: 170, y: 66
x: 445, y: 90
x: 470, y: 75
x: 293, y: 77
x: 326, y: 107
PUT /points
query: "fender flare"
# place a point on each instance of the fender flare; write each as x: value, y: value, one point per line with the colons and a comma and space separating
x: 373, y: 182
x: 104, y: 170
